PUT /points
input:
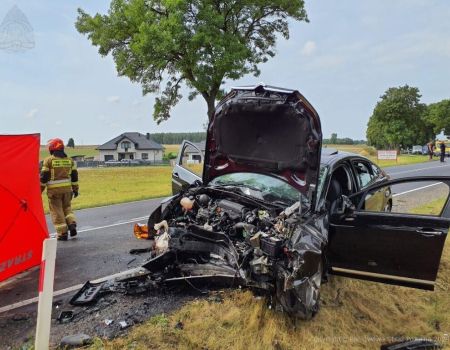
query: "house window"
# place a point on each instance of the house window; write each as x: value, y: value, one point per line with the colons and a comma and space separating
x: 144, y: 156
x: 125, y: 145
x: 109, y: 157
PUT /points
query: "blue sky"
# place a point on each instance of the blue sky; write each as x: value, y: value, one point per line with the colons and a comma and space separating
x: 342, y: 61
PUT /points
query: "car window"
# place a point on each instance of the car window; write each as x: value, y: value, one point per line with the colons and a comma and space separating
x: 192, y: 159
x: 364, y: 173
x: 413, y: 197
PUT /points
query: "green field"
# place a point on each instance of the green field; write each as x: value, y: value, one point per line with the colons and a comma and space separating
x: 88, y: 151
x: 371, y: 153
x: 103, y: 186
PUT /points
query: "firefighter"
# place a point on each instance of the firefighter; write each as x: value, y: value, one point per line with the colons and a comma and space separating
x: 59, y: 174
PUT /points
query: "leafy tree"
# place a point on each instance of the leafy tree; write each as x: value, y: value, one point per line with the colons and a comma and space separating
x: 71, y: 143
x: 333, y: 138
x: 198, y: 43
x: 438, y: 114
x: 399, y: 119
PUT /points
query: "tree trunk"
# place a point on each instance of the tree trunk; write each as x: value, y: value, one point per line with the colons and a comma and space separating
x: 211, y: 102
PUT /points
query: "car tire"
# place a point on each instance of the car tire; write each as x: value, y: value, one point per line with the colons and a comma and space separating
x: 303, y: 301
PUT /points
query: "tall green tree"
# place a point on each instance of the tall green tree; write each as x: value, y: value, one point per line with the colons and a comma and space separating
x: 438, y: 114
x: 195, y: 43
x: 71, y: 143
x: 333, y: 138
x: 399, y: 119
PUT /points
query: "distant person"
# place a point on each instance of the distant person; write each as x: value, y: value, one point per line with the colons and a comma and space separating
x: 442, y: 146
x: 430, y: 146
x: 59, y: 174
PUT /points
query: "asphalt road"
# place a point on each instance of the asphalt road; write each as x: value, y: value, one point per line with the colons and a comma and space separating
x: 105, y: 239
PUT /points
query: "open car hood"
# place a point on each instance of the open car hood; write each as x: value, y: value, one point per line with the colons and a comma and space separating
x: 268, y: 130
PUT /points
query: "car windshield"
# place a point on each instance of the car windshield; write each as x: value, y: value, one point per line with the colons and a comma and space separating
x: 265, y: 187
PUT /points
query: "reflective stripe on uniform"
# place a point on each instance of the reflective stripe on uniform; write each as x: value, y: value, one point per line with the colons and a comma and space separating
x: 59, y: 183
x: 44, y: 168
x: 61, y: 163
x: 70, y: 217
x: 74, y: 183
x: 62, y: 228
x: 43, y: 184
x: 74, y: 166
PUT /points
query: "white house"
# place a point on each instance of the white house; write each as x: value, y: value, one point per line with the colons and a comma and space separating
x: 131, y: 145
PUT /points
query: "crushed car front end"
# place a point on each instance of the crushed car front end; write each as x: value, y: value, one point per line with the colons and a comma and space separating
x: 251, y: 221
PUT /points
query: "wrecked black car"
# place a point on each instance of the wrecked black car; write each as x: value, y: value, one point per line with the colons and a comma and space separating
x: 268, y: 210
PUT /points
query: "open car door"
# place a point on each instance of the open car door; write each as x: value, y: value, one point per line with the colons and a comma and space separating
x: 188, y: 167
x: 401, y: 244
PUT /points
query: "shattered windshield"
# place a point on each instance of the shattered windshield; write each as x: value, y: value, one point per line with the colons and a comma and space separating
x: 260, y: 186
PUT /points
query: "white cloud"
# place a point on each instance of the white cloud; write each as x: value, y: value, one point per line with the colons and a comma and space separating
x: 32, y: 113
x: 113, y: 99
x: 309, y: 48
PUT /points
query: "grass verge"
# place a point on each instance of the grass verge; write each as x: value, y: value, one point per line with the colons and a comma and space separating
x: 371, y: 153
x: 105, y: 186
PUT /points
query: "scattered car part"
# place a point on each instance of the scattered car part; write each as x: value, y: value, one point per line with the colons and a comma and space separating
x: 89, y: 293
x: 65, y: 316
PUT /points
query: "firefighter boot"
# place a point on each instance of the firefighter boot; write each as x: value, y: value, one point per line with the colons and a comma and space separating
x: 62, y: 237
x: 73, y: 230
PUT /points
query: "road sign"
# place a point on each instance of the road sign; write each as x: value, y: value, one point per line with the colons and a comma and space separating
x: 387, y: 155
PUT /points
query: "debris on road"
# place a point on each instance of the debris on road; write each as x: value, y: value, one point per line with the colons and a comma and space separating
x: 76, y: 340
x: 65, y: 316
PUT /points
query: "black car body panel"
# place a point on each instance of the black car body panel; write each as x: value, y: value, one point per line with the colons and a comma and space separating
x: 402, y: 249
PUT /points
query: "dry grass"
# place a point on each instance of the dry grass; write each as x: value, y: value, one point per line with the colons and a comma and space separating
x: 354, y: 315
x: 105, y: 186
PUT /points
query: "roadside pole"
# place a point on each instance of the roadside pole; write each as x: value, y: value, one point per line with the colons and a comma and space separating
x: 46, y: 278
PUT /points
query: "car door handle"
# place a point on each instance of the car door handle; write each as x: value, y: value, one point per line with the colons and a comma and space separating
x: 176, y: 175
x: 429, y: 232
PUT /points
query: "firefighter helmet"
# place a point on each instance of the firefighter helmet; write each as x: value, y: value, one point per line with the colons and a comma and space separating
x: 55, y: 145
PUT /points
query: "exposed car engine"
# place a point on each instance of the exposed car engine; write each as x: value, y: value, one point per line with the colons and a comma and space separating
x: 216, y: 236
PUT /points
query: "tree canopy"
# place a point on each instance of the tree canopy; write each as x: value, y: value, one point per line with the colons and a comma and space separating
x: 193, y: 43
x: 438, y: 114
x: 399, y: 119
x: 71, y: 143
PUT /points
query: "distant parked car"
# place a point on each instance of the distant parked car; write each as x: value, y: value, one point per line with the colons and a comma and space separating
x: 417, y: 149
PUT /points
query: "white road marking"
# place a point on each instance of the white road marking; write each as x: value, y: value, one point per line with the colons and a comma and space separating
x: 415, y: 170
x: 416, y: 189
x: 130, y: 202
x: 107, y: 226
x: 64, y: 291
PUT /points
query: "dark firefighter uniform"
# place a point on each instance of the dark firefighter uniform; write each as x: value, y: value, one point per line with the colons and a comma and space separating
x: 60, y: 176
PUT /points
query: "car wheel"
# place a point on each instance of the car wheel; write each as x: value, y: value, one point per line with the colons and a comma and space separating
x: 302, y: 301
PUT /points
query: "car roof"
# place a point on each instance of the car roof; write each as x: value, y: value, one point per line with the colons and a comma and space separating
x: 330, y: 156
